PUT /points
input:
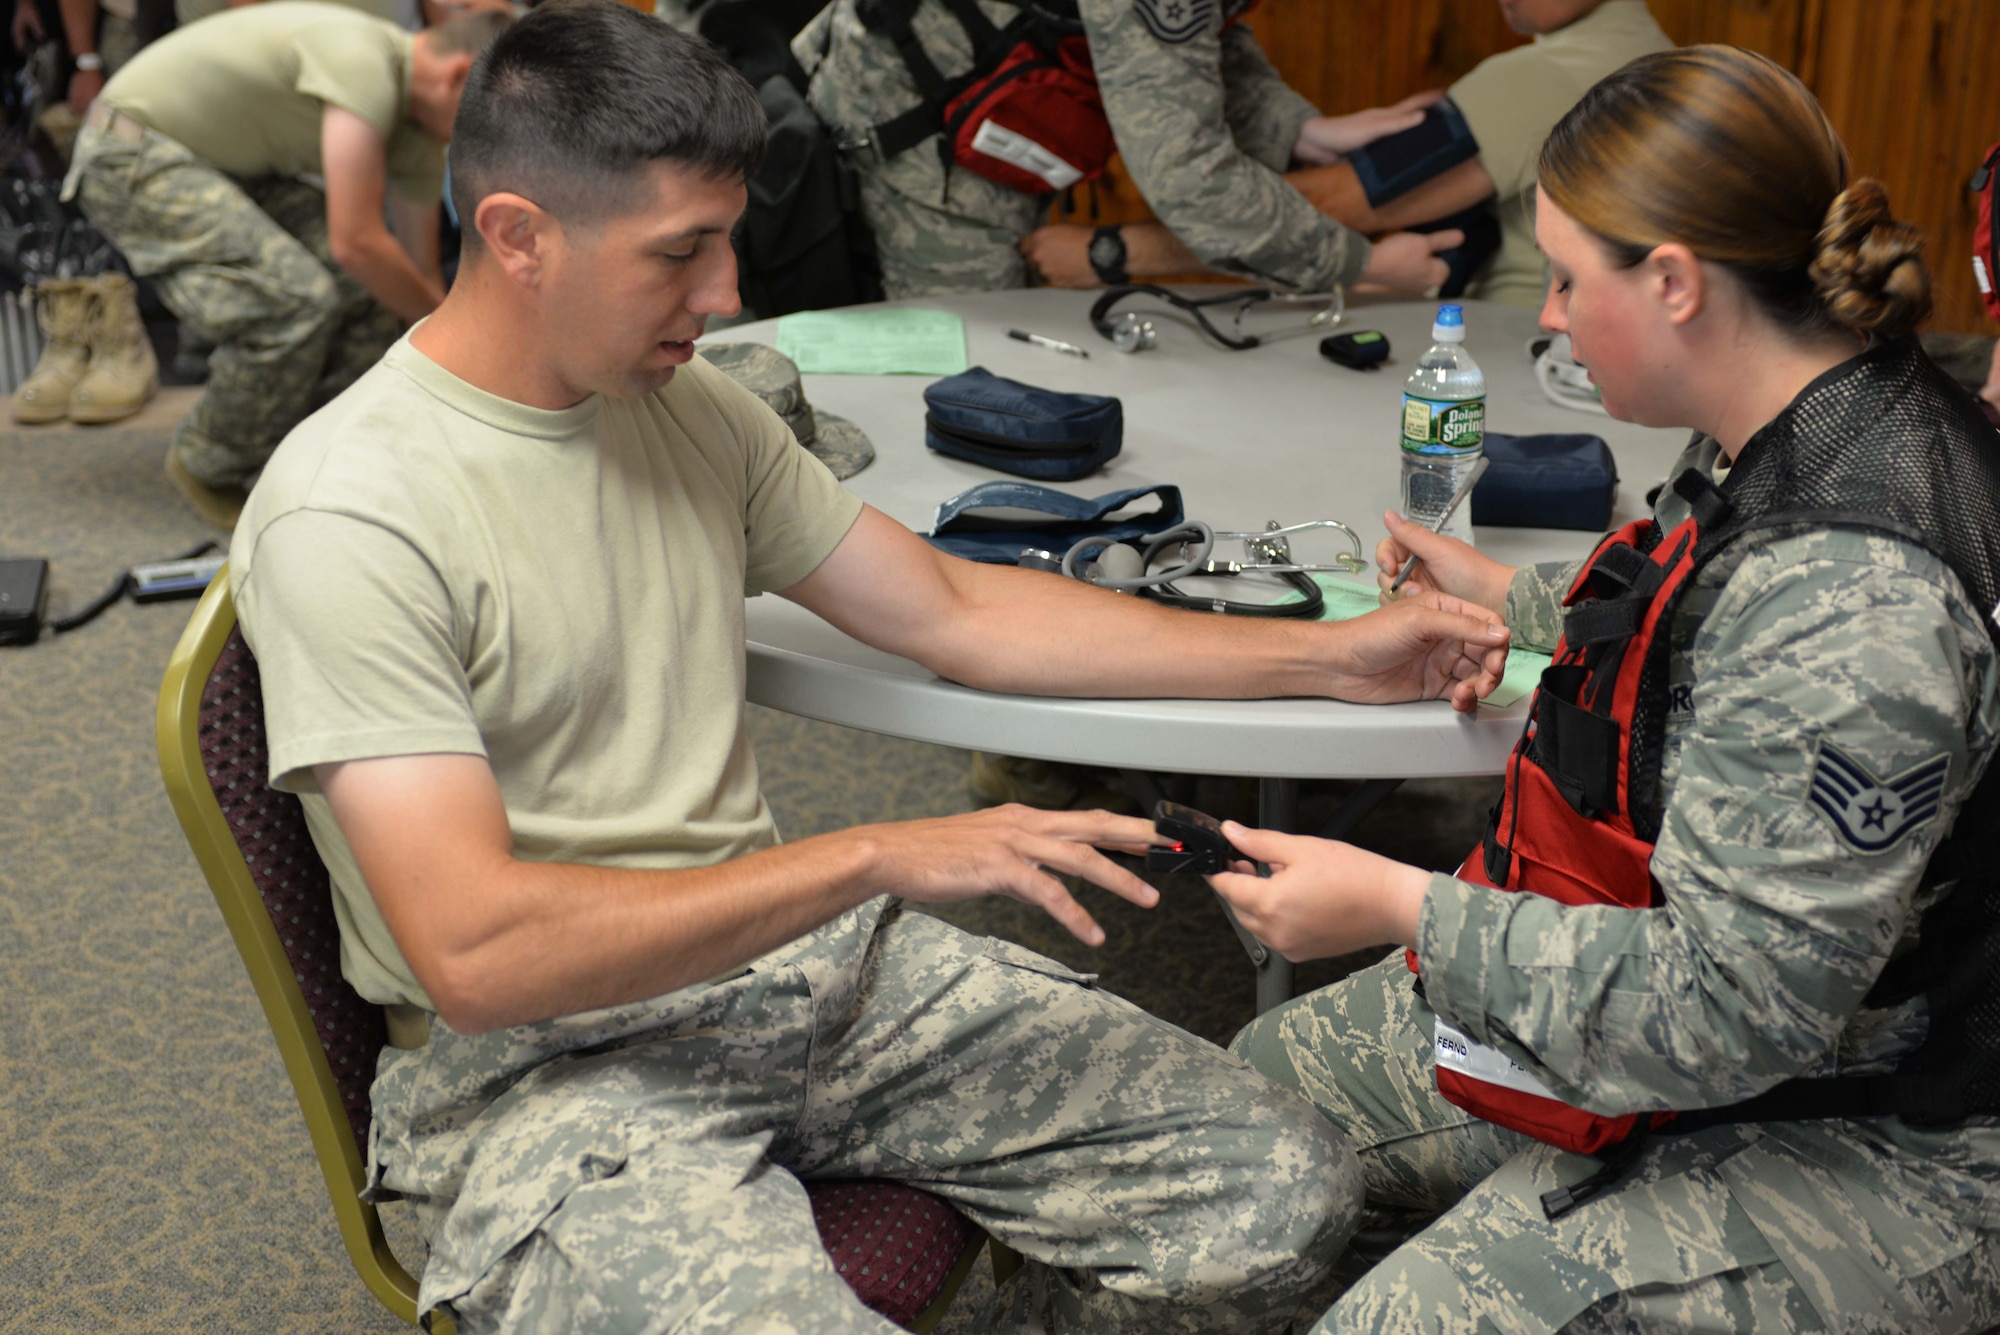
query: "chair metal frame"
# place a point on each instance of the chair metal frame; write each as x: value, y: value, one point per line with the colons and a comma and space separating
x: 178, y: 732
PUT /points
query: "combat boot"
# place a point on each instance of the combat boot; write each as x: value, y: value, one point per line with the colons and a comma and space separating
x: 63, y: 308
x: 123, y: 372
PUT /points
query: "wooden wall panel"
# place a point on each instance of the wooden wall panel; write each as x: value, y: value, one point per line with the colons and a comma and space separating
x: 1907, y: 83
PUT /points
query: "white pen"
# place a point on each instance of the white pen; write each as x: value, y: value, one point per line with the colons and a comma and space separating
x: 1052, y: 344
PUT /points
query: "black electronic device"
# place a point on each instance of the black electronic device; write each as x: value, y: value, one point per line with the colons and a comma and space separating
x: 24, y: 597
x: 1360, y: 349
x: 1199, y: 845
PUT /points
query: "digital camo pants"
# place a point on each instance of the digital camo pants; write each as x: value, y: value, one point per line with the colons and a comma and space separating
x: 1720, y: 1230
x: 248, y: 264
x: 638, y: 1168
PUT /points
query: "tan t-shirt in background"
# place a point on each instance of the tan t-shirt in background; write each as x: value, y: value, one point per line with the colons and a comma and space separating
x: 245, y: 90
x: 424, y: 567
x: 1511, y: 101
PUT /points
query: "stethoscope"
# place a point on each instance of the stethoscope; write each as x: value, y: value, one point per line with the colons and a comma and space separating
x: 1128, y: 567
x: 1131, y: 332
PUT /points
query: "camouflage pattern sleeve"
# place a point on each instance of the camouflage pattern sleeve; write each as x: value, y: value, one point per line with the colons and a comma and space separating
x: 1836, y: 707
x: 1265, y: 113
x: 1534, y: 607
x: 1160, y: 67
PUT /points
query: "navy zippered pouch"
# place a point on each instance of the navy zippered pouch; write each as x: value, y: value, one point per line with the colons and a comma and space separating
x: 1554, y: 481
x: 1022, y: 429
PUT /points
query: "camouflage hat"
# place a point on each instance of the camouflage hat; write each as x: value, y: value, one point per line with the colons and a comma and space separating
x: 773, y: 377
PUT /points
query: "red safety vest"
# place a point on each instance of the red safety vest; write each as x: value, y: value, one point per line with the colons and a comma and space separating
x: 1564, y: 826
x: 1028, y: 114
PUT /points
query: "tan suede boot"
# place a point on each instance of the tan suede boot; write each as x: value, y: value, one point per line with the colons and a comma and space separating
x: 123, y: 372
x: 63, y: 306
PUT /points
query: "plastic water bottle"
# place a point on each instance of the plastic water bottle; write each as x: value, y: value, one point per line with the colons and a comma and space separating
x: 1444, y: 425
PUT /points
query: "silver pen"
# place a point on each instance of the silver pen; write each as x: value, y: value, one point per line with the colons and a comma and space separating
x: 1450, y: 506
x: 1052, y: 344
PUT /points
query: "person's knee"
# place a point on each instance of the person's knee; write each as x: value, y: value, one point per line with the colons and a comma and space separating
x: 1263, y: 1044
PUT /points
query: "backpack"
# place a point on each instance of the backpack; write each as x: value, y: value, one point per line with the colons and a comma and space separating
x: 802, y: 243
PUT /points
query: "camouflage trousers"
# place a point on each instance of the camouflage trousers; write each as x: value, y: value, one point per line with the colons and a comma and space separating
x: 1719, y: 1230
x: 248, y: 264
x: 638, y: 1168
x: 927, y: 250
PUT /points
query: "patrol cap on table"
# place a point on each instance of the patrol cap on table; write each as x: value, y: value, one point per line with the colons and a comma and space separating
x: 773, y: 377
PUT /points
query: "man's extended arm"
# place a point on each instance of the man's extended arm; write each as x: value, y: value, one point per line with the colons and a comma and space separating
x: 352, y: 154
x: 1059, y: 252
x: 496, y: 940
x: 1005, y: 629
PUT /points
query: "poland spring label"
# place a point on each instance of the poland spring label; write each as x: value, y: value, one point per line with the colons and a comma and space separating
x: 1434, y: 426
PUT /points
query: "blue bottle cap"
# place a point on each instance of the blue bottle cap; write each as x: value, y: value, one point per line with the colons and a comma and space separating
x: 1451, y: 314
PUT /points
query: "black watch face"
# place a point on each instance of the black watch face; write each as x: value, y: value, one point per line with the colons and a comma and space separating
x: 1107, y: 252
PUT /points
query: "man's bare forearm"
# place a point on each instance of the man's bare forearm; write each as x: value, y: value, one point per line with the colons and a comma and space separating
x: 378, y: 262
x: 549, y: 939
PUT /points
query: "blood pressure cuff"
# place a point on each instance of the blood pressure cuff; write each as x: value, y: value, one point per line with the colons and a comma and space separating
x: 995, y: 522
x: 1397, y: 163
x: 1021, y: 429
x: 1546, y: 482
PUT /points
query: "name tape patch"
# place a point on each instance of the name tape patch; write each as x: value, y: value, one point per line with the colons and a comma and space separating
x: 1871, y: 814
x: 1476, y: 1061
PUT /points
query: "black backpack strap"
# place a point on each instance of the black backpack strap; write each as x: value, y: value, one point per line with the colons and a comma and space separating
x: 895, y: 19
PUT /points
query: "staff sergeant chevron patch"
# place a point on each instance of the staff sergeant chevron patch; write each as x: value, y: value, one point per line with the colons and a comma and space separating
x: 1176, y: 21
x: 1871, y: 814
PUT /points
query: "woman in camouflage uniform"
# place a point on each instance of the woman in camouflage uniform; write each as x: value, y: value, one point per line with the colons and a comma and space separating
x: 1800, y: 782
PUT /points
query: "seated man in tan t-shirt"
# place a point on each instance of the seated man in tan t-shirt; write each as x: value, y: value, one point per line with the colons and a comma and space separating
x: 496, y: 593
x: 244, y: 165
x: 1510, y: 102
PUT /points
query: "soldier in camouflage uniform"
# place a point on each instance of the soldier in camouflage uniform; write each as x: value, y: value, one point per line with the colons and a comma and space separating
x: 1778, y: 904
x: 202, y: 163
x: 508, y: 568
x: 1205, y: 125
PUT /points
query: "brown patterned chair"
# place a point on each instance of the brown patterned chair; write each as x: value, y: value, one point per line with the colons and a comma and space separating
x: 904, y: 1252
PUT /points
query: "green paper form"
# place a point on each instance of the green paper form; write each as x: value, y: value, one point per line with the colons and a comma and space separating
x: 895, y: 341
x: 1346, y: 600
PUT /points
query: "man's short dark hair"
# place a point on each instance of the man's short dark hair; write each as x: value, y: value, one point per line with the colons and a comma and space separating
x: 570, y: 103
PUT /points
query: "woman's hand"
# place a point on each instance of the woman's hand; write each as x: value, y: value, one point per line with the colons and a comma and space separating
x: 1327, y: 139
x: 1445, y: 564
x: 1322, y: 897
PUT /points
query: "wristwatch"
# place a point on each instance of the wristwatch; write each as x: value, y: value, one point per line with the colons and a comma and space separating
x: 88, y: 60
x: 1107, y: 256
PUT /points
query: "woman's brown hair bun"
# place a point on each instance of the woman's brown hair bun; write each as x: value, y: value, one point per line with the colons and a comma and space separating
x: 1727, y: 153
x: 1869, y: 268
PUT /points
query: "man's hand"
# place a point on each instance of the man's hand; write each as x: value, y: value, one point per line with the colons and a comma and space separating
x: 84, y: 86
x: 27, y: 28
x: 1407, y: 261
x: 1059, y: 255
x: 1323, y: 897
x: 1326, y: 139
x: 1430, y: 647
x: 1444, y: 564
x: 1014, y: 851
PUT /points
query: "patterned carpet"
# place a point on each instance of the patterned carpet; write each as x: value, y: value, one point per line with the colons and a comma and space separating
x: 154, y: 1173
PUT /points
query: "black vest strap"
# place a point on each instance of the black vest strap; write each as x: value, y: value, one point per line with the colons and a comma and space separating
x: 1710, y: 506
x: 1606, y: 620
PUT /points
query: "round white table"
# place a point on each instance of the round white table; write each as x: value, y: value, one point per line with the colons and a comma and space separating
x: 1277, y: 432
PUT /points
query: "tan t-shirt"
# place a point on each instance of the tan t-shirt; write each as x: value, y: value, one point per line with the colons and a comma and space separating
x: 245, y: 89
x: 1512, y: 101
x: 424, y: 567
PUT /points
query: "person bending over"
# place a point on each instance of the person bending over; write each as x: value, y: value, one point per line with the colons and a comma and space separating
x: 1748, y: 836
x: 1510, y: 102
x: 496, y: 594
x: 197, y: 163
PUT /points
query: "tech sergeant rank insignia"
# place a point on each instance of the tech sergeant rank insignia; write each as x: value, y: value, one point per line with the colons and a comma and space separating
x: 1871, y: 814
x: 1176, y: 21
